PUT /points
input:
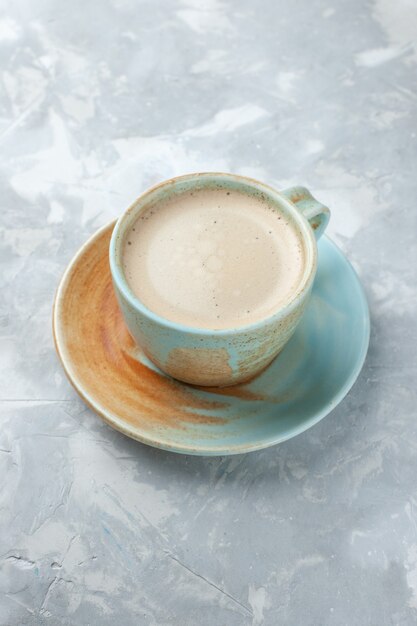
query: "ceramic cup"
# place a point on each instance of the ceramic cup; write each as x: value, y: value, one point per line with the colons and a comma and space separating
x: 228, y: 356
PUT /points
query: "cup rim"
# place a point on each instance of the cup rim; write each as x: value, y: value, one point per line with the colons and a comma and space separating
x: 132, y: 212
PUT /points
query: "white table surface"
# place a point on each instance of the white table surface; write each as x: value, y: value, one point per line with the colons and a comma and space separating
x: 100, y: 100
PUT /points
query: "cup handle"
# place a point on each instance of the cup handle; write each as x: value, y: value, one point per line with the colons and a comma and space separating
x: 315, y: 213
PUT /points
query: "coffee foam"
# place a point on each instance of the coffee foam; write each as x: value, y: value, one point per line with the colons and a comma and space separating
x: 213, y: 258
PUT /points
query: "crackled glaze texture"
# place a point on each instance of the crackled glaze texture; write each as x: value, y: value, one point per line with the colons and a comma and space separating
x: 100, y: 101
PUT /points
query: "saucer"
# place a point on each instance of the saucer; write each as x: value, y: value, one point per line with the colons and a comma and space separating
x: 306, y: 381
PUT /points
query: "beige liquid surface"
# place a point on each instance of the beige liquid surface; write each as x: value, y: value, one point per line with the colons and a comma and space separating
x: 213, y: 259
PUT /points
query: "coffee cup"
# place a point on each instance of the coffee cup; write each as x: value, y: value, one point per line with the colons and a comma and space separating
x: 237, y: 346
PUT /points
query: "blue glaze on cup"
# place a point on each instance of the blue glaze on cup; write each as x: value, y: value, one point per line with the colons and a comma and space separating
x: 227, y: 356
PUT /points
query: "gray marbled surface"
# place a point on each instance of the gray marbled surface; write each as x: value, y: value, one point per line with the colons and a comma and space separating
x: 100, y: 100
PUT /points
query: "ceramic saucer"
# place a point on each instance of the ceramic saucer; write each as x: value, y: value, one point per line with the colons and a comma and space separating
x: 305, y: 382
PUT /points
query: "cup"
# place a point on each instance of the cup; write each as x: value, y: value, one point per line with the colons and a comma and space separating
x: 228, y: 356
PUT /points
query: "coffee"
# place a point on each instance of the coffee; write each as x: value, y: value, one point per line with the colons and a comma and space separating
x: 213, y: 258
